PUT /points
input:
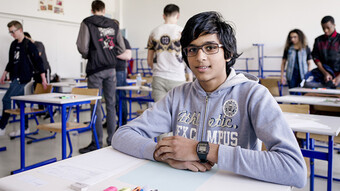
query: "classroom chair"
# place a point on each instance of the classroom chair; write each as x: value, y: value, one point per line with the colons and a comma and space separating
x: 76, y: 126
x: 324, y: 110
x: 273, y: 85
x: 143, y: 68
x: 33, y: 111
x: 139, y: 94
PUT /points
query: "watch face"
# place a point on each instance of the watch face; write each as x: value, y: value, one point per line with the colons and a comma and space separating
x: 202, y: 148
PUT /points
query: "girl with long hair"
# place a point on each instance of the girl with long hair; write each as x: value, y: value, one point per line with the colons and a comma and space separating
x: 298, y: 56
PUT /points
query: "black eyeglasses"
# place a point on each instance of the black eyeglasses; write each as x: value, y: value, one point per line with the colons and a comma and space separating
x: 211, y: 48
x: 13, y: 31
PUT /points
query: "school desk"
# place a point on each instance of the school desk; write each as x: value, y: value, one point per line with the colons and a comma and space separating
x: 5, y: 86
x: 61, y: 86
x: 107, y: 167
x: 310, y: 100
x: 77, y: 80
x: 315, y: 90
x: 52, y: 99
x: 130, y: 98
x: 133, y: 81
x: 318, y: 124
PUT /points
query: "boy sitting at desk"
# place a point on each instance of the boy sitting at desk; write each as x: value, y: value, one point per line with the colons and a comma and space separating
x: 219, y: 118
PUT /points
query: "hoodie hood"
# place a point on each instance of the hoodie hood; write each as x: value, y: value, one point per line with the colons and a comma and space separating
x: 99, y: 21
x: 233, y: 79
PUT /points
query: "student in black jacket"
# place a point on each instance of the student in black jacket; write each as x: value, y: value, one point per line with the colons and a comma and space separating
x: 23, y: 62
x: 101, y: 43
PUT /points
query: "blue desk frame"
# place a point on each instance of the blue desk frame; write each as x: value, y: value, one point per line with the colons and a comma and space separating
x: 63, y: 107
x: 121, y: 98
x: 327, y: 156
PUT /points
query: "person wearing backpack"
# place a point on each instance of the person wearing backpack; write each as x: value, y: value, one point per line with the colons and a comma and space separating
x: 23, y: 61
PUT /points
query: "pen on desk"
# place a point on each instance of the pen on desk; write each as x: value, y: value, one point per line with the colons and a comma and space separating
x: 111, y: 188
x: 138, y: 188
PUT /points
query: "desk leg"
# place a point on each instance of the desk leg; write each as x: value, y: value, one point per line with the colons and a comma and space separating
x: 311, y: 143
x: 78, y: 111
x: 330, y: 162
x: 130, y: 107
x: 120, y: 109
x: 63, y: 131
x: 22, y: 135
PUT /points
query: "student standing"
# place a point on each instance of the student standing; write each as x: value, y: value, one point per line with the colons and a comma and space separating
x: 299, y: 58
x: 219, y: 118
x: 100, y: 41
x: 121, y: 81
x: 169, y: 69
x: 41, y: 49
x: 23, y: 61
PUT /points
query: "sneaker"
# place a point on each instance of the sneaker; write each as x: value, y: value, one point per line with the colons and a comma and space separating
x: 91, y: 147
x: 2, y: 132
x: 17, y: 133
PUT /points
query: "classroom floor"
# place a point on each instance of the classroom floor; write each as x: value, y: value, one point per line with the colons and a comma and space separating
x: 40, y: 151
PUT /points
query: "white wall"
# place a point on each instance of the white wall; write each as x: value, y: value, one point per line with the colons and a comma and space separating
x: 256, y: 21
x: 58, y: 32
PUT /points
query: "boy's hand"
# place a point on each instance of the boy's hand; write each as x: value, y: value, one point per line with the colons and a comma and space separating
x: 194, y: 166
x: 328, y: 77
x: 283, y: 81
x: 176, y: 148
x: 336, y: 81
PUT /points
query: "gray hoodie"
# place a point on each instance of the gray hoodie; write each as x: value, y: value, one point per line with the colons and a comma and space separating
x: 238, y: 116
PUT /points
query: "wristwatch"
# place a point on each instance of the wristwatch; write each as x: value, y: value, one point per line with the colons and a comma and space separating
x: 202, y: 150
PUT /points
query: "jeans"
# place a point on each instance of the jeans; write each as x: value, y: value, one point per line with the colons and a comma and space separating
x: 15, y: 89
x: 105, y: 80
x: 121, y: 81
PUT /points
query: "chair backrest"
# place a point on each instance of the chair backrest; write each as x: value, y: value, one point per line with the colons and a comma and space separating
x: 29, y: 88
x: 86, y: 91
x: 295, y: 108
x: 39, y: 89
x: 272, y: 84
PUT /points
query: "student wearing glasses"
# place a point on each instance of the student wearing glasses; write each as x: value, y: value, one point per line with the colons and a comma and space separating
x: 23, y: 60
x: 220, y: 118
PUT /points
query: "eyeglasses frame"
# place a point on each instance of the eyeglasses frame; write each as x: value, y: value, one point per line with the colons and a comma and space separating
x: 201, y: 47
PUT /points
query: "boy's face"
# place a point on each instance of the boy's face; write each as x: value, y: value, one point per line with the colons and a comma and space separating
x: 328, y: 28
x: 14, y: 32
x: 210, y: 70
